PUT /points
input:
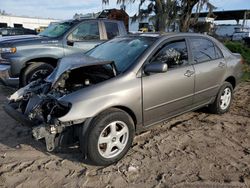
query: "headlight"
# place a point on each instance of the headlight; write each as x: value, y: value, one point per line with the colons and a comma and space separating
x: 7, y: 50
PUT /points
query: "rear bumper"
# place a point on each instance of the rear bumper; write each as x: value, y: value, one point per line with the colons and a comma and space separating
x: 5, y: 76
x: 18, y: 116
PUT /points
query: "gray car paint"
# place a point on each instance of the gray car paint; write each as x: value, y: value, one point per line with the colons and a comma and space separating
x: 155, y: 98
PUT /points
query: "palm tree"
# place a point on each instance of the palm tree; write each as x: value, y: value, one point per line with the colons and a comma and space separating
x: 185, y: 13
x: 165, y: 12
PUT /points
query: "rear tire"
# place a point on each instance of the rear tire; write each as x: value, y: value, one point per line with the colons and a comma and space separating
x: 109, y: 137
x: 35, y: 71
x: 223, y: 99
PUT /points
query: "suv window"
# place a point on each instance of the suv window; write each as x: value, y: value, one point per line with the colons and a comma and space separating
x: 85, y: 31
x: 174, y: 53
x: 204, y: 50
x: 111, y: 29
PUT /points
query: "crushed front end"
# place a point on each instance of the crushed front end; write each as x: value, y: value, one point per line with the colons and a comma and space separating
x: 37, y: 107
x: 40, y: 105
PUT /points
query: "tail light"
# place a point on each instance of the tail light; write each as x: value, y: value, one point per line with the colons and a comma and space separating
x: 242, y: 61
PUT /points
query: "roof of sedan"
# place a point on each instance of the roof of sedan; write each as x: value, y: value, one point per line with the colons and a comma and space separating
x: 166, y: 34
x: 84, y: 19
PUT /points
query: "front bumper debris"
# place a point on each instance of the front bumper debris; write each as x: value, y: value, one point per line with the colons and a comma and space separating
x: 40, y: 132
x: 48, y: 132
x: 18, y: 116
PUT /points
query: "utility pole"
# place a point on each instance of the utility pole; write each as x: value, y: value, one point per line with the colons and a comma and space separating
x: 244, y: 20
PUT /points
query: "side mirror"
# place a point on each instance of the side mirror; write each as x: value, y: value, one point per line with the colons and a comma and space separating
x: 70, y: 43
x: 156, y: 68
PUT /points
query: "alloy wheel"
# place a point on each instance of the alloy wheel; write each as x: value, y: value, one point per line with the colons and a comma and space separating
x: 225, y: 98
x: 113, y: 139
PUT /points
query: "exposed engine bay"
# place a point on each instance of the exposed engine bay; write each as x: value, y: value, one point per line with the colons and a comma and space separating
x: 83, y: 77
x: 38, y: 104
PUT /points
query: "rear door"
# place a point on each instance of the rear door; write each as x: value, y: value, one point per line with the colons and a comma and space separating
x: 169, y: 93
x: 85, y: 36
x: 210, y: 67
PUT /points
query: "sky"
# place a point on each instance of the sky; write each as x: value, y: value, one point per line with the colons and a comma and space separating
x: 65, y: 9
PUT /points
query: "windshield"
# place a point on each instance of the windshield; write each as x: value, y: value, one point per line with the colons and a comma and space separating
x: 56, y: 30
x: 123, y: 51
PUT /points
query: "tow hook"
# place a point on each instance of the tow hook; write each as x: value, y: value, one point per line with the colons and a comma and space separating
x: 42, y: 131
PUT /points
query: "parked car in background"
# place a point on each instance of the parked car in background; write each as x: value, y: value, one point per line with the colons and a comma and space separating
x: 27, y: 58
x: 16, y: 31
x: 101, y: 98
x: 145, y: 27
x: 240, y: 34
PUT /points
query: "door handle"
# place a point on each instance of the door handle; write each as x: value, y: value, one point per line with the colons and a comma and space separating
x: 221, y: 65
x: 189, y: 73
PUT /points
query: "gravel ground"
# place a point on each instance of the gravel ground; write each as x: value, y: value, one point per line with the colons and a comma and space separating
x: 196, y: 149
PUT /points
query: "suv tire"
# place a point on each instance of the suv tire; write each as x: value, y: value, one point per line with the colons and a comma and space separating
x: 35, y: 71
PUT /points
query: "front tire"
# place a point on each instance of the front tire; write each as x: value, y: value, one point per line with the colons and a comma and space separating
x: 37, y: 70
x: 109, y: 137
x: 223, y: 100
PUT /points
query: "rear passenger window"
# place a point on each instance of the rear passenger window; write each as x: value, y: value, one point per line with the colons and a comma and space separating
x: 111, y: 29
x: 204, y: 50
x: 85, y: 31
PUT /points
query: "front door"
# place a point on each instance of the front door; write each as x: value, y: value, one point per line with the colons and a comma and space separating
x: 169, y: 93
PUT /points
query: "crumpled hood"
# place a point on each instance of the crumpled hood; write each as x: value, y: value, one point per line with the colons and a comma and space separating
x: 73, y: 62
x: 17, y: 37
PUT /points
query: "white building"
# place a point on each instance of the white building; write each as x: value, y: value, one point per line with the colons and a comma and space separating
x: 26, y: 22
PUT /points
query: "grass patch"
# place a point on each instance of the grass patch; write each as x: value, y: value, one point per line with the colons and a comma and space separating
x: 246, y: 73
x: 238, y: 47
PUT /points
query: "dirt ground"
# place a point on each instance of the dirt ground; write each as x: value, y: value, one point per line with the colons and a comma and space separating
x: 196, y: 149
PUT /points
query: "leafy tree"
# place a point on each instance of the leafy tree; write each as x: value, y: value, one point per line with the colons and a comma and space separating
x: 186, y: 10
x: 163, y: 13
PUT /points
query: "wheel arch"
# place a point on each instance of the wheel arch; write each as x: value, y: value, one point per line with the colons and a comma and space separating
x: 124, y: 109
x: 129, y: 112
x: 231, y: 80
x: 50, y: 60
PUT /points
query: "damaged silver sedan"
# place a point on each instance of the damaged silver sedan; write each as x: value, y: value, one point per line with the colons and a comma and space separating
x: 100, y: 99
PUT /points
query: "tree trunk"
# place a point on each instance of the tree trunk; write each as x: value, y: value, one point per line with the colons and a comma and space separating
x: 185, y: 19
x: 160, y: 18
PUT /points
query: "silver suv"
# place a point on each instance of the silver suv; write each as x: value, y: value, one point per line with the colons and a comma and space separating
x: 123, y: 86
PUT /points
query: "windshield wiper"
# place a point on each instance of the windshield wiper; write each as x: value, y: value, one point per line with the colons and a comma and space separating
x: 114, y: 68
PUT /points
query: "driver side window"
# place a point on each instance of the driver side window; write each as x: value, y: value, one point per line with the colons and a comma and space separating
x: 85, y: 31
x: 174, y: 54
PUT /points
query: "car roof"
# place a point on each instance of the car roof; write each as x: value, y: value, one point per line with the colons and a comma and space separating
x: 77, y: 20
x: 167, y: 34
